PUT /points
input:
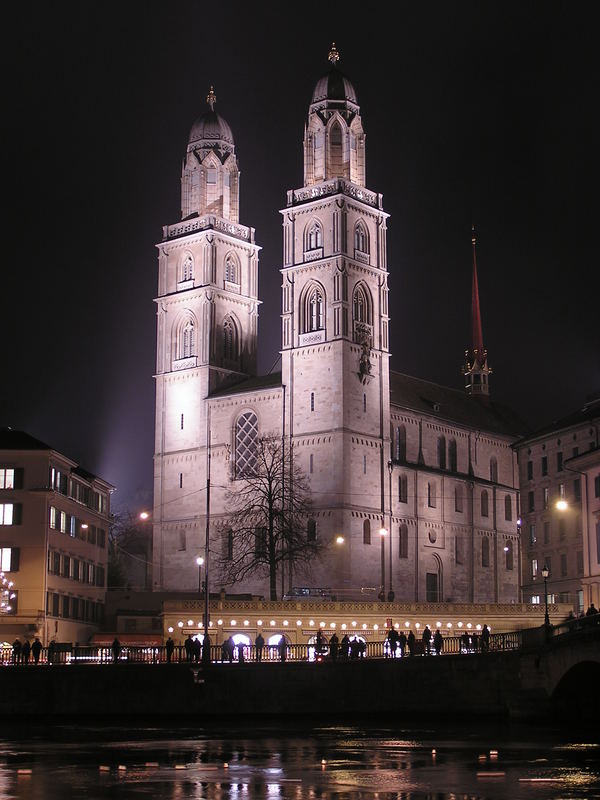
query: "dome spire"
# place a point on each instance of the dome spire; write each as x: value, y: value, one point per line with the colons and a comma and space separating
x: 211, y: 98
x: 333, y: 56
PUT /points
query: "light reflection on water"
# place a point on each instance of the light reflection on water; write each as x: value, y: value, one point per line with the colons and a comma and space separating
x: 246, y: 762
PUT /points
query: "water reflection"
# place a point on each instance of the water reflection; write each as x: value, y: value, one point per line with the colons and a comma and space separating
x: 448, y: 762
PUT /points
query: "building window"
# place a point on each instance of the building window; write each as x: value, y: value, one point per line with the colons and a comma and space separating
x: 544, y: 465
x: 361, y: 306
x: 7, y: 478
x: 246, y: 444
x: 546, y: 533
x: 532, y: 534
x: 563, y: 565
x: 314, y: 236
x: 6, y: 513
x: 493, y: 470
x: 534, y: 567
x: 452, y: 462
x: 182, y: 541
x: 484, y: 503
x: 530, y: 470
x: 431, y: 495
x: 229, y: 545
x: 311, y: 530
x: 561, y: 491
x: 312, y: 401
x: 458, y: 549
x: 559, y: 462
x: 364, y: 465
x: 361, y: 240
x: 441, y: 452
x: 577, y: 489
x: 310, y: 463
x: 530, y: 501
x: 187, y: 268
x: 364, y: 403
x: 366, y: 532
x: 232, y: 273
x: 230, y: 340
x: 458, y: 499
x: 186, y: 339
x: 546, y: 499
x: 260, y: 542
x: 9, y: 559
x: 181, y: 422
x: 401, y: 444
x: 403, y: 541
x: 314, y: 310
x: 485, y: 552
x: 402, y: 489
x: 580, y: 562
x: 507, y: 507
x: 509, y: 555
x: 181, y: 480
x: 562, y: 529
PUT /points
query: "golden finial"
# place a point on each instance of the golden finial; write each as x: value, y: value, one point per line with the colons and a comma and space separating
x: 211, y: 98
x: 333, y: 54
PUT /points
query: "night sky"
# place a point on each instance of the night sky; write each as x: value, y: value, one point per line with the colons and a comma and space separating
x: 475, y: 113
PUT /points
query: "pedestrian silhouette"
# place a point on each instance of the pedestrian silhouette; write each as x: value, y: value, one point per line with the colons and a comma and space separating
x: 116, y: 649
x: 240, y: 649
x: 16, y: 651
x: 427, y: 640
x: 189, y: 648
x: 36, y: 649
x: 282, y: 648
x: 196, y: 650
x: 485, y: 639
x: 259, y: 643
x: 206, y: 650
x: 410, y: 641
x: 438, y: 642
x: 334, y: 644
x: 170, y: 647
x: 402, y: 643
x: 319, y: 642
x: 345, y: 646
x: 51, y: 651
x: 25, y: 651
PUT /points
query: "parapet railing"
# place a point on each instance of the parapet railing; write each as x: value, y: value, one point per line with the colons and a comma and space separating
x: 64, y: 654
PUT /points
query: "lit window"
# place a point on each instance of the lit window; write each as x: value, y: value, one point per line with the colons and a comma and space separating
x: 534, y: 567
x: 7, y: 478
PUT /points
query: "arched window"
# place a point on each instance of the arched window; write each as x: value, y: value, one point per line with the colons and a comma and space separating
x: 246, y: 444
x: 507, y: 507
x: 452, y: 462
x: 361, y: 239
x: 314, y: 236
x: 336, y: 161
x: 485, y: 552
x: 230, y: 340
x: 403, y: 541
x: 311, y: 530
x: 402, y: 489
x: 508, y: 549
x: 361, y: 305
x: 232, y: 272
x: 366, y: 532
x: 185, y: 345
x: 485, y: 510
x: 314, y: 310
x: 493, y: 469
x: 187, y: 268
x: 441, y: 446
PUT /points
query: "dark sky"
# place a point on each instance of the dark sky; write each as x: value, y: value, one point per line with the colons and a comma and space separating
x: 474, y: 112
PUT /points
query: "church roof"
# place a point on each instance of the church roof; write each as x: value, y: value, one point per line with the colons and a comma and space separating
x: 253, y: 384
x: 454, y: 405
x: 334, y: 86
x: 210, y: 127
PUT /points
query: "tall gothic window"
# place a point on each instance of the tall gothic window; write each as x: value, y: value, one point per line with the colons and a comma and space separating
x: 230, y: 340
x: 187, y: 268
x: 493, y: 469
x: 442, y: 452
x: 231, y: 269
x: 401, y: 443
x: 403, y: 489
x: 452, y: 463
x: 485, y: 552
x: 403, y: 541
x: 361, y: 306
x: 485, y: 510
x: 311, y: 530
x: 458, y: 499
x: 246, y: 444
x: 366, y: 532
x: 314, y: 236
x: 431, y: 495
x: 185, y: 344
x: 361, y: 240
x: 507, y: 507
x: 314, y: 310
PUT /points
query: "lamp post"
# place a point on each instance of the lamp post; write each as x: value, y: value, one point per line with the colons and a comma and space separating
x: 390, y: 595
x: 382, y: 534
x: 200, y: 562
x: 545, y: 573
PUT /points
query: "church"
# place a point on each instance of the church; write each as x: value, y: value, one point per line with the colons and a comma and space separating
x: 414, y: 485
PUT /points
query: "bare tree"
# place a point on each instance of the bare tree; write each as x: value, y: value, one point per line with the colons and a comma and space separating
x: 268, y: 527
x: 129, y: 544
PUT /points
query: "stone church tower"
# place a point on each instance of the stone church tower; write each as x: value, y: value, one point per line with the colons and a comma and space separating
x: 335, y: 359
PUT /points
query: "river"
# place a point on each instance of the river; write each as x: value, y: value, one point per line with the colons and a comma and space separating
x: 446, y: 761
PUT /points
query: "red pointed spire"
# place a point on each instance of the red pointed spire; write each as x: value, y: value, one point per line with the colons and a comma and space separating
x: 477, y: 348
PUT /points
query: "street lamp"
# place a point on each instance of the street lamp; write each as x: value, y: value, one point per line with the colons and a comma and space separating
x: 545, y: 573
x: 382, y: 533
x: 200, y: 562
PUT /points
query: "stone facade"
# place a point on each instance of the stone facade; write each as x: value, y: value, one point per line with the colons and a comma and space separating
x: 431, y: 467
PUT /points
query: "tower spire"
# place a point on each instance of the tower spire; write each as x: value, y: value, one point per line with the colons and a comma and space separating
x: 334, y: 55
x: 475, y: 369
x: 211, y: 98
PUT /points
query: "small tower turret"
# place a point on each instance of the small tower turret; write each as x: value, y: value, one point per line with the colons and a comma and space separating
x: 476, y: 369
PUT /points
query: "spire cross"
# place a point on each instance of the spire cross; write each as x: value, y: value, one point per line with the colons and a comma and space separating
x: 333, y: 56
x: 211, y: 98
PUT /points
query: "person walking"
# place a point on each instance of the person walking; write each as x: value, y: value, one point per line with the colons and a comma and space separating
x: 402, y: 643
x: 116, y: 650
x: 259, y: 643
x: 36, y: 649
x: 485, y: 639
x: 438, y: 642
x: 427, y: 640
x: 25, y: 651
x: 410, y: 641
x: 345, y: 646
x: 334, y: 644
x: 170, y: 647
